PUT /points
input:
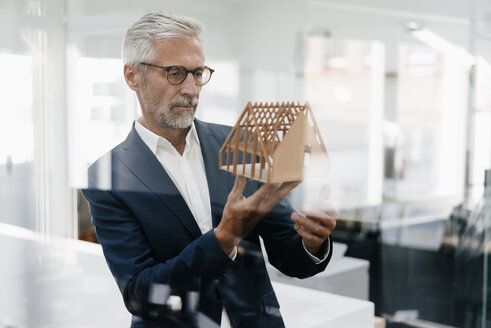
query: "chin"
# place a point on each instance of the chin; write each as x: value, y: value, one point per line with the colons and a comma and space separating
x: 178, y: 123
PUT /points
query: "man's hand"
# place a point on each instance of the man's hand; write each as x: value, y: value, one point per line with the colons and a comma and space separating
x: 317, y: 224
x: 241, y: 214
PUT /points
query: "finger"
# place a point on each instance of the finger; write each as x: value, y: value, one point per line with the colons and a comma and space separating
x: 283, y: 190
x: 263, y: 193
x: 269, y: 194
x: 308, y: 236
x: 238, y: 187
x: 321, y: 218
x: 321, y: 227
x: 267, y: 189
x: 320, y: 205
x: 275, y: 194
x: 314, y: 212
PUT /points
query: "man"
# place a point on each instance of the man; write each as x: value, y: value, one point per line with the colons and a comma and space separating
x: 180, y: 236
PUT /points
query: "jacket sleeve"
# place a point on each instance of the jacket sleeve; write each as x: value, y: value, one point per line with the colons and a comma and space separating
x: 130, y: 259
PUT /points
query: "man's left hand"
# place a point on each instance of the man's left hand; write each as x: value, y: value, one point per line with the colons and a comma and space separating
x: 315, y: 227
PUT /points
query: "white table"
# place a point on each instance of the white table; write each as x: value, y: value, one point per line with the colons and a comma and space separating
x: 308, y: 308
x: 60, y: 282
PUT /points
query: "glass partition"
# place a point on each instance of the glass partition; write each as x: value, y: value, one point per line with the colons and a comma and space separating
x: 344, y: 82
x: 17, y: 154
x: 400, y: 92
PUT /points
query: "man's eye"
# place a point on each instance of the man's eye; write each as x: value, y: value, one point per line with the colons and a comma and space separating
x: 174, y: 73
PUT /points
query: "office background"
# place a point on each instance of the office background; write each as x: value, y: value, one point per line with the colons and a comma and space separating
x: 401, y: 91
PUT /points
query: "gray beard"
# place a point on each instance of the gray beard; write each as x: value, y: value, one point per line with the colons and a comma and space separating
x: 182, y: 121
x: 166, y: 116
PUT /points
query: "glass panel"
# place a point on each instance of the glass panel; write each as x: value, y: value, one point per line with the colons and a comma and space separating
x: 344, y: 85
x: 17, y: 153
x: 482, y: 132
x: 102, y: 109
x: 395, y: 178
x: 431, y: 105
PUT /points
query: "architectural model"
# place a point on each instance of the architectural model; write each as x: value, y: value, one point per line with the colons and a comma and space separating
x: 275, y: 143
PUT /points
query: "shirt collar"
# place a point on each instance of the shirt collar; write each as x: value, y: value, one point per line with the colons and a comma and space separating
x: 153, y: 140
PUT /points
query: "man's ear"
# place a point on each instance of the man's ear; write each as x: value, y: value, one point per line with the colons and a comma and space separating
x: 132, y: 77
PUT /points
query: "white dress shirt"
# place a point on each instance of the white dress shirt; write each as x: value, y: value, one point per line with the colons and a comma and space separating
x: 186, y: 171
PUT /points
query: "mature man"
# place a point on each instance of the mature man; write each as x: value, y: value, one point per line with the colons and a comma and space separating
x: 180, y: 236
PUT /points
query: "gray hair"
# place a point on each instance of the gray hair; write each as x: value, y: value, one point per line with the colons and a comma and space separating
x: 140, y: 37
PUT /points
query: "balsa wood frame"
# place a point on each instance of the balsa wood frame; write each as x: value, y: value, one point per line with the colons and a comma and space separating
x: 275, y: 143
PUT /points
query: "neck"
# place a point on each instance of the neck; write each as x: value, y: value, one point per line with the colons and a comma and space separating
x: 177, y: 137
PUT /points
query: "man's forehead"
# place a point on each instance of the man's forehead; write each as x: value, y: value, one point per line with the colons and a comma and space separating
x: 176, y: 48
x: 189, y: 42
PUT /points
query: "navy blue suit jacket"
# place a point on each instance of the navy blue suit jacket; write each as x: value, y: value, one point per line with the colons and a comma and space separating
x: 150, y: 238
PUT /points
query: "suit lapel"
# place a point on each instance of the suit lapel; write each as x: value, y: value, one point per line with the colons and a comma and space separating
x: 146, y: 167
x: 217, y: 179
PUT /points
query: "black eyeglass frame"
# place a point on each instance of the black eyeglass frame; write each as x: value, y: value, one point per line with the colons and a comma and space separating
x: 192, y: 71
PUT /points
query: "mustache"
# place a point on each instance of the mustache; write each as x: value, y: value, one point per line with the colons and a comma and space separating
x: 186, y: 101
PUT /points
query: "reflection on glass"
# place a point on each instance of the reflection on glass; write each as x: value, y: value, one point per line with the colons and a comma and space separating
x: 17, y: 171
x: 101, y: 110
x: 219, y: 104
x: 472, y: 260
x: 482, y: 123
x: 344, y: 84
x: 431, y: 106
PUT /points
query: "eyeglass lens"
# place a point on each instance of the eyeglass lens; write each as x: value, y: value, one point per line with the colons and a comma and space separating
x: 177, y: 75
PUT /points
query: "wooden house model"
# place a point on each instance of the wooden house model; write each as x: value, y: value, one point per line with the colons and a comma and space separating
x: 275, y: 143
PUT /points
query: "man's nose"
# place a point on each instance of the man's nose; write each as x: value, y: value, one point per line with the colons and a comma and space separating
x: 189, y: 87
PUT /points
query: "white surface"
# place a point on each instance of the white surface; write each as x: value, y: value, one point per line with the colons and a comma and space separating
x: 56, y: 282
x: 339, y: 250
x: 59, y: 282
x: 345, y: 276
x: 307, y: 308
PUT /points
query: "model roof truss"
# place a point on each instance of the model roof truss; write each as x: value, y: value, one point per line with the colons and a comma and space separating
x: 275, y: 143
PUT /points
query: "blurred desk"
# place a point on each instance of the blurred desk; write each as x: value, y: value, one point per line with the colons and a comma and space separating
x: 56, y: 282
x: 346, y: 276
x: 59, y: 282
x: 308, y: 308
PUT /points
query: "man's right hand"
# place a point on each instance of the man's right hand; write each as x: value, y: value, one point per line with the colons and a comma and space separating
x: 241, y: 214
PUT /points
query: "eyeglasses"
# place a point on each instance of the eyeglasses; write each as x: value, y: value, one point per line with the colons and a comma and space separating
x: 177, y: 74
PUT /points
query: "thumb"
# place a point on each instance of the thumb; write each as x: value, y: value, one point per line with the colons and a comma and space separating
x: 238, y: 187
